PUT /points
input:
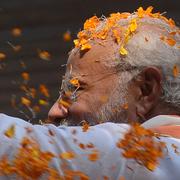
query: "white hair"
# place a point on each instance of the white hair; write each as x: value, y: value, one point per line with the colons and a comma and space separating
x: 146, y: 48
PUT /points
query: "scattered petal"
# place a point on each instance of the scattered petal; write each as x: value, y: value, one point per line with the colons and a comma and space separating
x: 67, y: 36
x: 10, y: 132
x: 32, y: 92
x: 90, y: 145
x: 75, y: 82
x: 125, y: 106
x: 82, y: 146
x: 116, y: 34
x: 85, y: 47
x: 85, y: 126
x: 133, y: 25
x: 25, y: 76
x: 16, y: 32
x: 45, y: 55
x: 173, y: 33
x: 64, y: 103
x: 171, y: 41
x: 2, y: 56
x: 43, y: 89
x: 94, y: 156
x: 175, y: 71
x: 43, y: 102
x: 139, y: 144
x: 36, y: 108
x: 171, y: 22
x: 25, y: 101
x: 123, y: 51
x: 67, y: 155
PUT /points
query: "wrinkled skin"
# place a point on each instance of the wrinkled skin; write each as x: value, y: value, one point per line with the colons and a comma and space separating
x: 96, y: 82
x: 101, y: 87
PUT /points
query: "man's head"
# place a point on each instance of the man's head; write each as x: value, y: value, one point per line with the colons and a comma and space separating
x: 123, y: 68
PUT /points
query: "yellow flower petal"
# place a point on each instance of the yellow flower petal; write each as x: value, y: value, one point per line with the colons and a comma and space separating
x: 43, y: 102
x: 25, y: 101
x: 85, y: 47
x: 10, y: 131
x: 67, y: 155
x: 64, y: 103
x: 76, y: 42
x: 133, y: 25
x: 123, y: 51
x: 75, y: 82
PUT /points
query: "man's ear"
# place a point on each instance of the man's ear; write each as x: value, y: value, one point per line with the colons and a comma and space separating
x: 150, y: 90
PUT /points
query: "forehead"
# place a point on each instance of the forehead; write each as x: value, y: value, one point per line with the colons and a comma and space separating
x: 92, y: 62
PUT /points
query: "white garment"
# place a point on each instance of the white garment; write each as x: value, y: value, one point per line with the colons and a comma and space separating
x: 104, y: 138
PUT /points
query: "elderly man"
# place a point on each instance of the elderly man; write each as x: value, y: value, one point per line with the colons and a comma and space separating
x: 123, y: 69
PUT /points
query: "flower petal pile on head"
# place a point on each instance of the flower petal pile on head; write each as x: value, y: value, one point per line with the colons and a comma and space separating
x: 99, y: 28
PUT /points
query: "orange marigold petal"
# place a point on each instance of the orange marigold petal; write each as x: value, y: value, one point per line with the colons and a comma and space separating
x: 25, y: 76
x: 149, y: 10
x: 171, y: 22
x: 45, y: 55
x: 133, y: 25
x: 175, y: 71
x: 140, y: 12
x: 85, y: 126
x: 67, y: 155
x: 43, y: 89
x: 25, y: 101
x: 76, y: 43
x: 91, y: 23
x: 171, y: 41
x: 75, y: 82
x: 2, y: 56
x: 67, y: 36
x: 125, y: 106
x: 16, y: 32
x: 85, y: 47
x: 64, y: 103
x: 94, y: 156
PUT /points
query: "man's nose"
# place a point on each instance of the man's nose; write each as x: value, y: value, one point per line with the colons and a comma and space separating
x: 57, y: 112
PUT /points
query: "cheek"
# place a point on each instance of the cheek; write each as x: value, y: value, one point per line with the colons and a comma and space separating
x: 78, y: 108
x: 85, y: 104
x: 92, y: 100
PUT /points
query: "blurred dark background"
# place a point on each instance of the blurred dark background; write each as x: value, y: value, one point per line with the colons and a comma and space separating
x: 43, y: 23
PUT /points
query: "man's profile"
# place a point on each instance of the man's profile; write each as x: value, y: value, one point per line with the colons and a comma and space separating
x: 126, y: 67
x: 123, y: 69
